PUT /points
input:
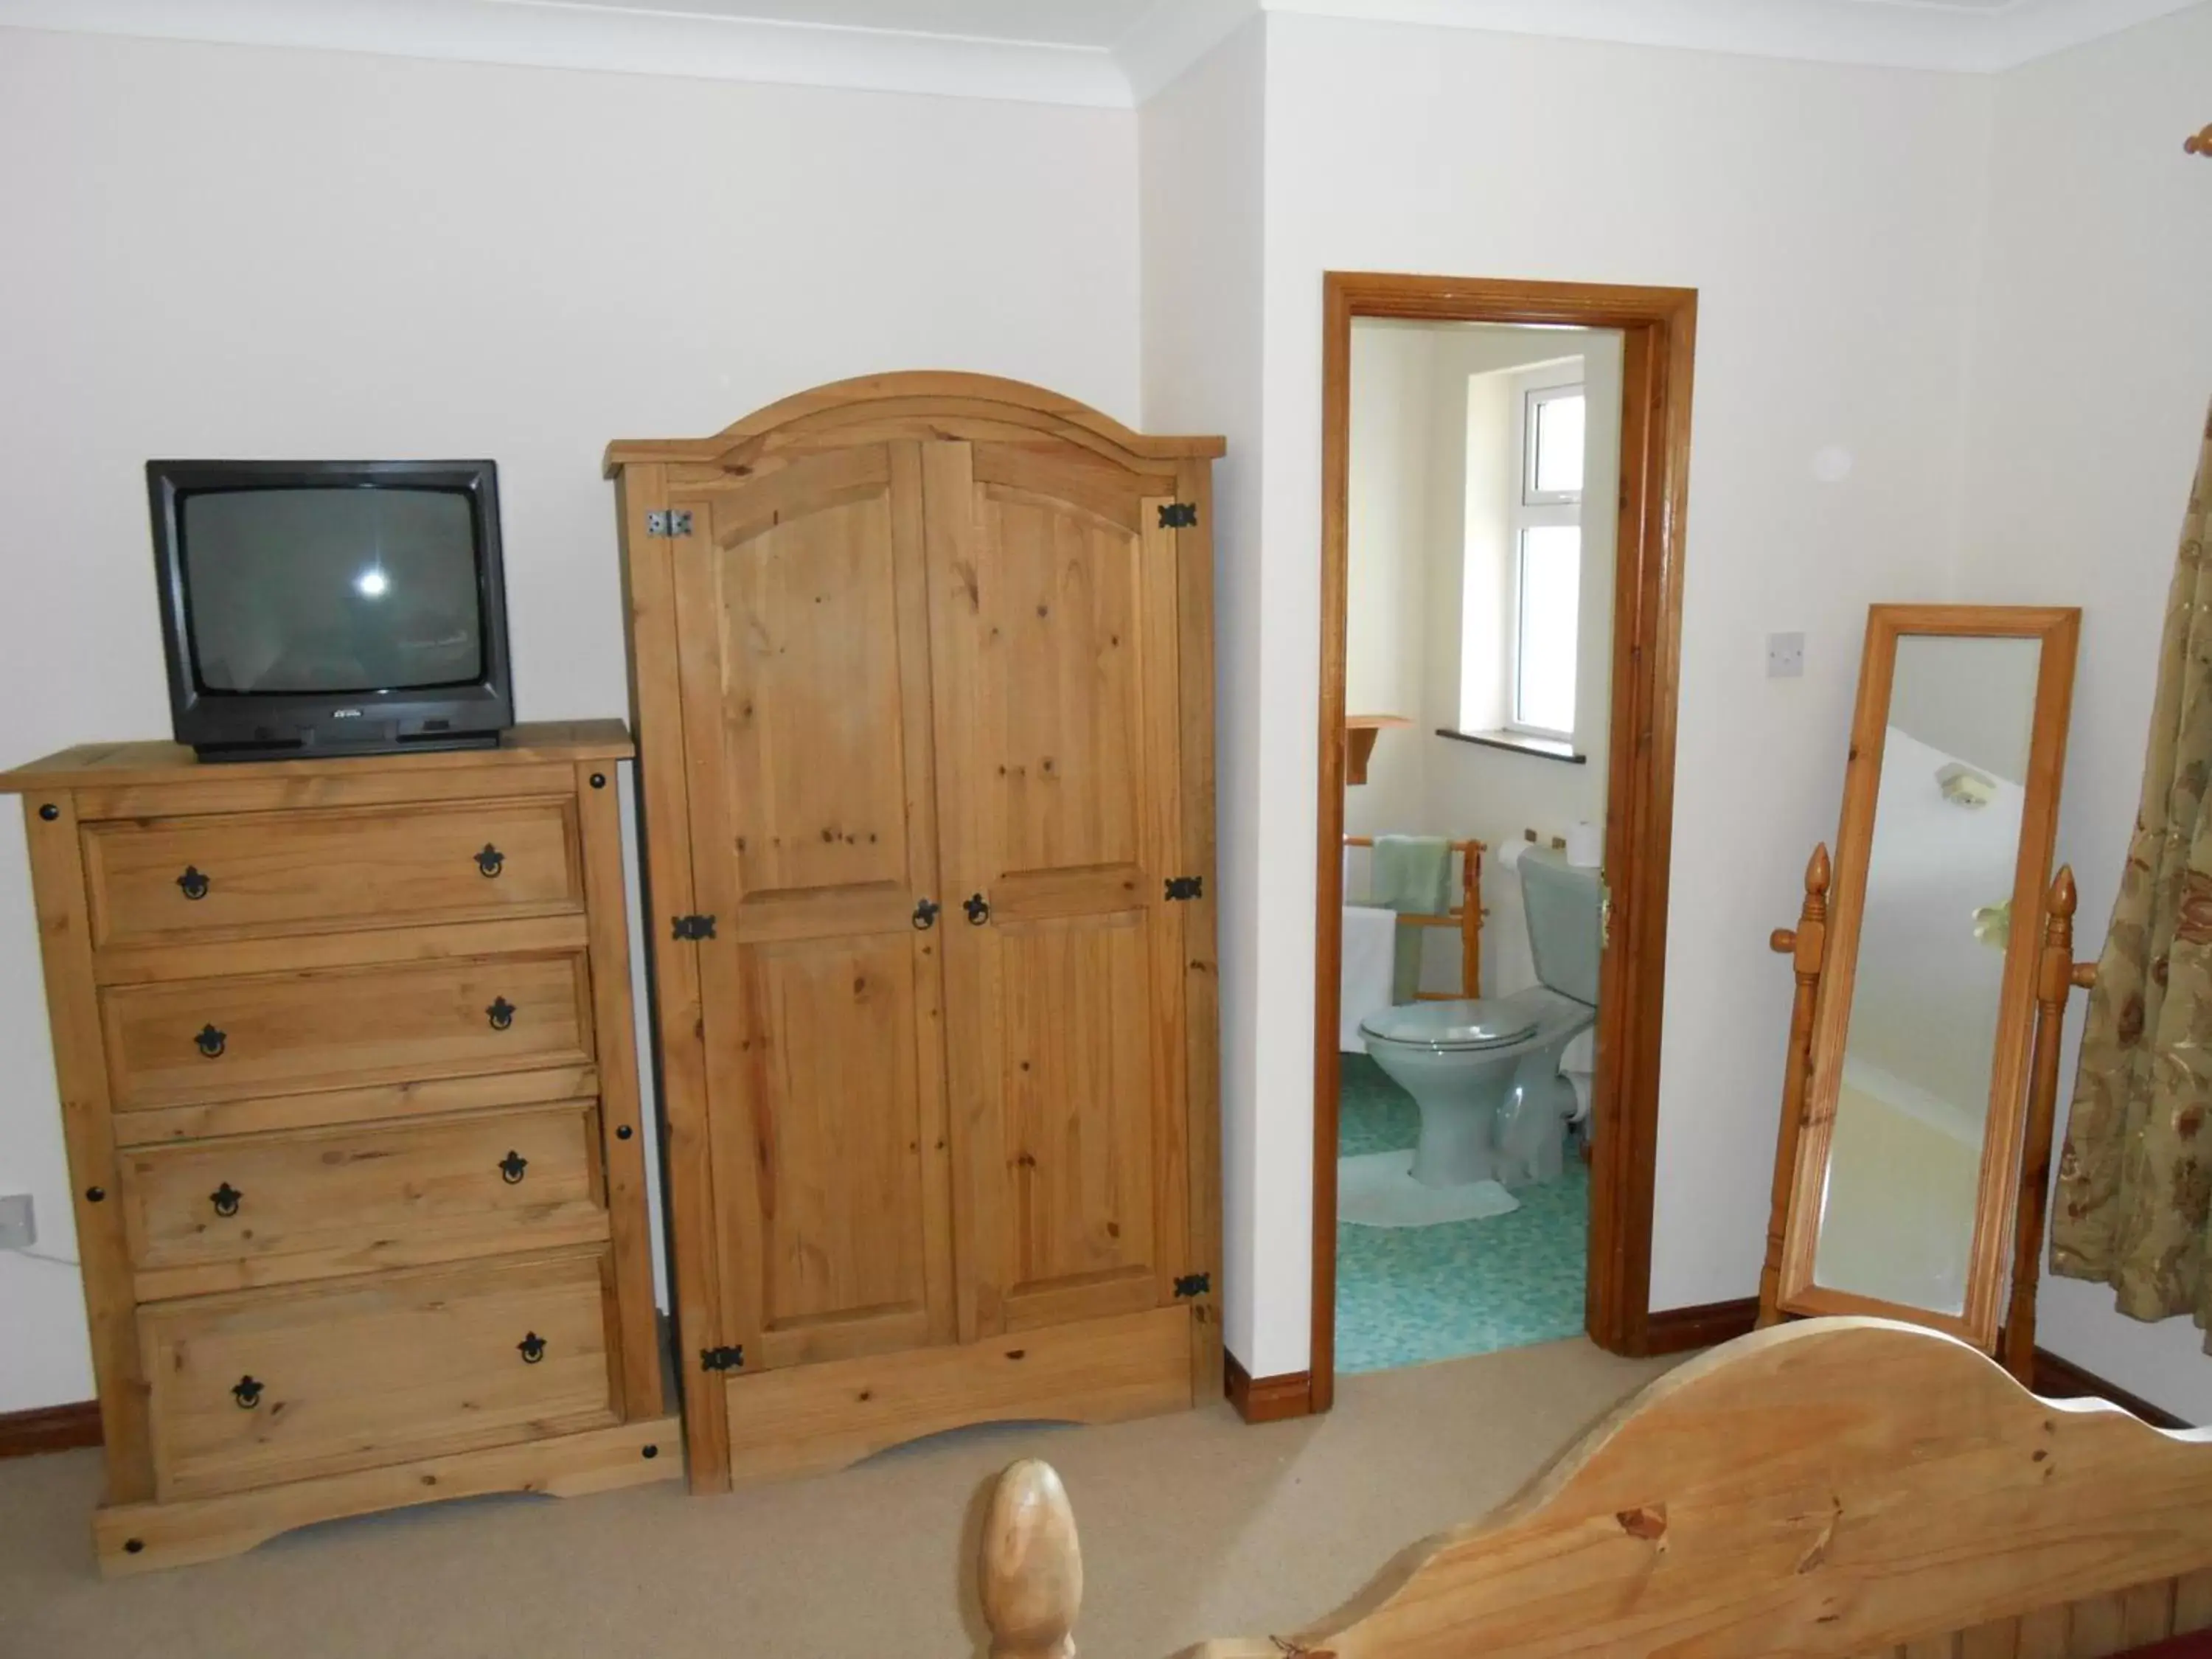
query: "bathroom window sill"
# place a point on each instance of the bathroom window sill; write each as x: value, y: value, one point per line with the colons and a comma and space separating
x: 1519, y: 743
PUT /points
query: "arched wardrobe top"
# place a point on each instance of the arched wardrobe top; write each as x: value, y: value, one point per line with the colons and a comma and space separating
x: 912, y: 404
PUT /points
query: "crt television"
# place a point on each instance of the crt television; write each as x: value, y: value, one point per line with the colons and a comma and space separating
x: 339, y: 607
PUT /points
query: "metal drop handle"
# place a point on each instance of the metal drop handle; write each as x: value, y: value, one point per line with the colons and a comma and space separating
x: 513, y: 1168
x: 226, y: 1200
x: 194, y: 883
x: 210, y: 1041
x: 490, y: 862
x: 978, y: 908
x: 532, y: 1348
x: 501, y: 1014
x: 247, y: 1392
x: 925, y: 915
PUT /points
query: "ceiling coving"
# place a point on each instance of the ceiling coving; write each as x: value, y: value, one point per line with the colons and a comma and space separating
x: 1110, y: 53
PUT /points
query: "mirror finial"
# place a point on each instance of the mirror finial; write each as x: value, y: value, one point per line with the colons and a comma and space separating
x: 2062, y: 897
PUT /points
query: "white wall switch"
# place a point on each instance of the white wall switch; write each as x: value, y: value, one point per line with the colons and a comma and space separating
x: 18, y: 1231
x: 1785, y: 656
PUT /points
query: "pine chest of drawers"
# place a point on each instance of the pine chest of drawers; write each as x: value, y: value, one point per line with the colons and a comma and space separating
x: 347, y: 1082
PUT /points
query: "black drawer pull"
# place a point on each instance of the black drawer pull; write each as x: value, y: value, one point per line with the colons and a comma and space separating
x: 490, y: 862
x: 532, y: 1348
x: 501, y: 1014
x: 210, y: 1041
x: 225, y: 1198
x: 925, y: 915
x: 247, y: 1392
x: 193, y: 883
x: 978, y: 908
x: 513, y: 1168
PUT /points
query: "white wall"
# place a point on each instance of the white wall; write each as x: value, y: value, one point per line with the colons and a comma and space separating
x: 1200, y: 164
x: 1391, y: 546
x: 228, y: 250
x: 1830, y: 218
x: 2091, y: 365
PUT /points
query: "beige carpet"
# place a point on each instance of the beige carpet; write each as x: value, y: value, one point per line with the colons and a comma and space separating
x: 1191, y: 1526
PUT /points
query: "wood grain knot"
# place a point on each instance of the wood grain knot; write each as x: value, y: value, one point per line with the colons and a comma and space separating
x: 1648, y: 1521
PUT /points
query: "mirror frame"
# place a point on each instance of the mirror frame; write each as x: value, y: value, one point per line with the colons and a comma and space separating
x: 2059, y: 631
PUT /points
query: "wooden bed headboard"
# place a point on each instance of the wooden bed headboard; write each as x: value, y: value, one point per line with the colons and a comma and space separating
x: 1835, y: 1487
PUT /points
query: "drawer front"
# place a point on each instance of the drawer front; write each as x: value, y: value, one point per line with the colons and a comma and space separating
x: 191, y: 1041
x: 262, y: 1387
x: 321, y: 1201
x: 169, y: 879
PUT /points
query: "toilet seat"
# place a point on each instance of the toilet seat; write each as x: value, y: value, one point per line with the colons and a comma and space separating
x: 1451, y: 1027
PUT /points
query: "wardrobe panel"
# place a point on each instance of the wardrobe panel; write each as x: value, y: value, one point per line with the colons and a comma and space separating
x: 1062, y: 685
x: 807, y: 611
x: 836, y: 1130
x: 1075, y: 1083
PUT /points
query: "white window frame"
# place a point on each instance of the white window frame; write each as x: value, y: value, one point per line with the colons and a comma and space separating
x: 1532, y: 399
x: 1535, y: 508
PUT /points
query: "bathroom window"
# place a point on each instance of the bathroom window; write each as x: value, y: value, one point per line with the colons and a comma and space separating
x: 1547, y: 542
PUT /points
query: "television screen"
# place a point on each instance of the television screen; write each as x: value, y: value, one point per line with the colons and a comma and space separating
x: 336, y: 590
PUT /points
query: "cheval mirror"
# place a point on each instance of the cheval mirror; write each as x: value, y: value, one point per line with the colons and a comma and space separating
x: 1922, y: 975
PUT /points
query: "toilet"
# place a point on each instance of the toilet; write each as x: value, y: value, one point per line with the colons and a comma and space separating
x: 1486, y: 1073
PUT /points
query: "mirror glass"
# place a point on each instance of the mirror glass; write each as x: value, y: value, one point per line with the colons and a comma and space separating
x: 1897, y: 1213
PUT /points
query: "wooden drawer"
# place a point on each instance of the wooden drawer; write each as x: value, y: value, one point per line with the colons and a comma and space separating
x: 262, y: 1209
x: 190, y: 1041
x: 264, y: 1386
x: 164, y: 879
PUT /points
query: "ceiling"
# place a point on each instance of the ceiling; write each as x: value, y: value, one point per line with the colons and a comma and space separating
x: 1110, y: 53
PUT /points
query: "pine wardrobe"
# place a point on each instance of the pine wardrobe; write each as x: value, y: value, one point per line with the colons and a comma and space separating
x: 921, y: 671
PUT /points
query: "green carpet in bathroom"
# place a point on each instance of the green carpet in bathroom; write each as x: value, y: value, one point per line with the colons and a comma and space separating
x: 1405, y: 1296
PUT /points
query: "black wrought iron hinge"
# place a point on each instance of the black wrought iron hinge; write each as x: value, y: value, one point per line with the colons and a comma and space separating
x: 1186, y: 887
x: 675, y: 522
x: 692, y: 927
x: 1194, y: 1284
x: 721, y: 1359
x: 1178, y: 515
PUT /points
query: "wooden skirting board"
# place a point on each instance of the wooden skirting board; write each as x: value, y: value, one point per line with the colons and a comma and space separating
x: 2062, y: 1379
x: 1267, y: 1399
x: 50, y: 1429
x: 1707, y: 1325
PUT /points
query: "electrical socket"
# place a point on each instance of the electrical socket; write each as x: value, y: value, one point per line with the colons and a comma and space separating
x: 19, y: 1231
x: 1785, y: 656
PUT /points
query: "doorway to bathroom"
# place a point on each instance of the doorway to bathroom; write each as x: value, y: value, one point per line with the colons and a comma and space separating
x: 1504, y: 474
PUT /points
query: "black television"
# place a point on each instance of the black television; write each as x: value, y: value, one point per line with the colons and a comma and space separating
x: 331, y: 607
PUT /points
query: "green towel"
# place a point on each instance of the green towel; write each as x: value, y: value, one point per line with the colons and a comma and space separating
x: 1411, y: 875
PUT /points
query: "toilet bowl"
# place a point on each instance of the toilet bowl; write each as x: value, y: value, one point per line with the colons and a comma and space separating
x: 1486, y: 1073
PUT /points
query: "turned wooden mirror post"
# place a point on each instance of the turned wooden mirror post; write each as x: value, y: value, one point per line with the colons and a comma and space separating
x: 2057, y: 975
x: 1913, y: 1153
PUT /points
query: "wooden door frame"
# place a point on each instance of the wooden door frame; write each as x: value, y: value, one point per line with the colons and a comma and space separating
x: 1658, y: 327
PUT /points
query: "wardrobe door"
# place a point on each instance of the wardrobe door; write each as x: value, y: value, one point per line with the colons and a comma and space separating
x: 1053, y: 640
x: 805, y: 674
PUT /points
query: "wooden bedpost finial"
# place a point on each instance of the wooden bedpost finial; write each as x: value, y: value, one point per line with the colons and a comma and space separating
x: 1817, y: 873
x: 2064, y: 897
x: 1783, y: 940
x: 1031, y: 1566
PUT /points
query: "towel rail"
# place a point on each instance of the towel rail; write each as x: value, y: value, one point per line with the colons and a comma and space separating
x: 1467, y: 918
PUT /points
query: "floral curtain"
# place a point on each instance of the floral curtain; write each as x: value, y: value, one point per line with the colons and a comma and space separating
x: 2135, y: 1181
